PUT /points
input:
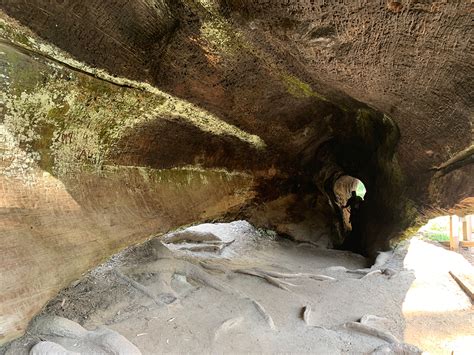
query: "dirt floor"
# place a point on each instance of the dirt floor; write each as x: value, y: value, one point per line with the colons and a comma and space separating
x: 229, y: 288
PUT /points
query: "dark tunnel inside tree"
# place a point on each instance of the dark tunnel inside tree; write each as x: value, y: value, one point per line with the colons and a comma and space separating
x: 363, y: 149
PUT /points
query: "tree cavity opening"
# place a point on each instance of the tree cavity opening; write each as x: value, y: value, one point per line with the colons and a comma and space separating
x: 349, y: 192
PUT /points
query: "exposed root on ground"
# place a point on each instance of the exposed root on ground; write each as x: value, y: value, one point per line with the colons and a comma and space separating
x: 398, y: 348
x: 269, y: 279
x: 363, y: 328
x: 198, y: 274
x: 369, y: 272
x: 209, y: 248
x: 264, y: 313
x: 162, y: 300
x: 369, y: 318
x: 227, y: 325
x: 190, y: 236
x: 306, y: 314
x: 274, y: 277
x: 359, y: 271
x: 297, y: 275
x: 214, y: 267
x: 375, y: 272
x: 195, y: 273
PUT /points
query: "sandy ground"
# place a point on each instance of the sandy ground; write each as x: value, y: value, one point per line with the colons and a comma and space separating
x: 228, y: 288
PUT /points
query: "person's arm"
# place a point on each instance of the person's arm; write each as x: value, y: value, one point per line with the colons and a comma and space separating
x: 348, y: 202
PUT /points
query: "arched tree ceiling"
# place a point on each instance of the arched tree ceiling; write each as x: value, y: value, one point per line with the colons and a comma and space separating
x: 233, y: 108
x: 269, y: 66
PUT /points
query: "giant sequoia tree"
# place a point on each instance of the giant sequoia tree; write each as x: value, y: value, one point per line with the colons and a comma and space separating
x: 122, y: 119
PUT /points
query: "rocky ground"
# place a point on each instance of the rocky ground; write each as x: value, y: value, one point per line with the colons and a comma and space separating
x: 229, y: 288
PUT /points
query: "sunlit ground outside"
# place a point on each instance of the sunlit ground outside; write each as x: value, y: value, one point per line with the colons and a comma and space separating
x: 439, y: 315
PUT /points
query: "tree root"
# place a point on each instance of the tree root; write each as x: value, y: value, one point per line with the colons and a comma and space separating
x: 271, y: 280
x: 369, y: 318
x: 278, y: 283
x: 460, y: 159
x: 211, y: 248
x: 213, y: 267
x: 359, y: 271
x: 273, y: 277
x: 263, y: 312
x: 204, y: 278
x: 306, y: 313
x: 369, y: 272
x: 196, y: 242
x: 190, y: 236
x: 375, y: 272
x: 397, y: 348
x: 197, y: 274
x: 337, y: 268
x: 164, y: 299
x: 227, y: 325
x: 281, y: 275
x: 362, y: 328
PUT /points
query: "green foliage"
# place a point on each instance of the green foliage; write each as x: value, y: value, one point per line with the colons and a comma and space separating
x: 360, y: 190
x: 437, y: 229
x: 437, y: 236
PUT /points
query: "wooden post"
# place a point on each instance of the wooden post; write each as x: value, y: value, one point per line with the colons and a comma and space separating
x: 453, y: 233
x: 464, y: 231
x: 469, y: 230
x: 469, y: 227
x: 451, y: 243
x: 466, y: 282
